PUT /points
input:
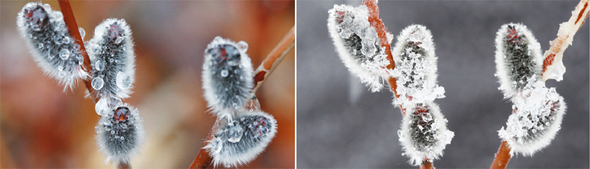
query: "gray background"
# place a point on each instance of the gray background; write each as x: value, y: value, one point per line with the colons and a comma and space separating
x: 342, y: 124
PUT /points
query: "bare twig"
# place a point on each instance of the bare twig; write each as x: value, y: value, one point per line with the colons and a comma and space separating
x: 272, y: 60
x: 123, y: 166
x: 565, y: 36
x: 70, y: 21
x: 502, y: 157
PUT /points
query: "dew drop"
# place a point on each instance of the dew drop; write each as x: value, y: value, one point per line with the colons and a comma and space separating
x: 111, y: 60
x: 64, y: 54
x: 235, y: 132
x: 242, y: 46
x: 123, y: 80
x: 224, y: 73
x: 112, y: 131
x: 97, y: 83
x: 98, y: 65
x: 101, y: 106
x: 40, y: 46
x: 119, y: 40
x: 66, y: 40
x: 82, y: 32
x: 122, y: 138
x: 218, y: 38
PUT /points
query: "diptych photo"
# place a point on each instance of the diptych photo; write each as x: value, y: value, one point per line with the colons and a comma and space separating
x: 294, y: 84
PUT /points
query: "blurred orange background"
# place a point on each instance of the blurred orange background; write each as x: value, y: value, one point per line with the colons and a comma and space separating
x: 44, y: 127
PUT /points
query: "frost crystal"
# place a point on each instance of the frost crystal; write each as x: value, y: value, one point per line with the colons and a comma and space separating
x: 240, y: 139
x: 358, y: 45
x: 227, y: 76
x: 112, y: 58
x: 415, y: 66
x: 518, y: 58
x: 48, y: 39
x: 536, y: 118
x: 424, y: 134
x: 120, y: 133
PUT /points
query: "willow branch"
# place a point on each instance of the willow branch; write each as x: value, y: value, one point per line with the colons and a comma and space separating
x: 502, y: 157
x: 70, y: 21
x: 565, y: 36
x: 426, y: 164
x: 273, y: 59
x: 268, y: 65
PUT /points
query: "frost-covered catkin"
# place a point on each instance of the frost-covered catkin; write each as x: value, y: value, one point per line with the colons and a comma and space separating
x: 120, y: 133
x: 50, y: 43
x: 535, y: 120
x: 424, y: 134
x: 518, y: 58
x: 241, y: 139
x: 227, y: 76
x: 112, y: 59
x: 358, y: 44
x: 415, y: 66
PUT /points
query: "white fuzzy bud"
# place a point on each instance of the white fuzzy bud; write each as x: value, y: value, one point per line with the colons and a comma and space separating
x: 112, y: 58
x: 424, y: 134
x: 50, y: 43
x: 240, y: 139
x: 358, y: 44
x: 227, y: 76
x: 120, y: 133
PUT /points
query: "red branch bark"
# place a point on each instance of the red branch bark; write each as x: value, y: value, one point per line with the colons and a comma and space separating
x: 502, y: 157
x: 268, y: 65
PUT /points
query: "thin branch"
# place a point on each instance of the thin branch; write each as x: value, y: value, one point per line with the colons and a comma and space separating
x: 426, y: 164
x: 124, y: 166
x: 565, y: 36
x: 70, y: 21
x: 502, y: 157
x: 272, y: 60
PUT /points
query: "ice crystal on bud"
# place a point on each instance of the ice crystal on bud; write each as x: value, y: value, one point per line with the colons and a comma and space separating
x: 518, y: 58
x: 424, y: 134
x: 120, y: 133
x: 536, y: 119
x: 112, y: 58
x: 50, y: 43
x: 415, y: 66
x: 227, y: 76
x: 241, y: 138
x: 358, y: 44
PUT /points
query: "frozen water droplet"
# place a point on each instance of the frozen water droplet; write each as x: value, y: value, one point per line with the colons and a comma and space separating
x: 66, y: 40
x: 224, y: 73
x: 82, y: 32
x: 98, y: 65
x: 64, y: 54
x: 235, y: 132
x: 242, y: 46
x: 97, y: 83
x: 119, y: 40
x: 123, y: 80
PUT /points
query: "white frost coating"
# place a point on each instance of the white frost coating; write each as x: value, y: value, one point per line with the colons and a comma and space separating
x: 515, y: 67
x: 254, y: 139
x: 46, y: 42
x: 227, y: 76
x: 536, y: 119
x: 111, y: 53
x: 358, y: 45
x: 424, y: 134
x: 415, y: 67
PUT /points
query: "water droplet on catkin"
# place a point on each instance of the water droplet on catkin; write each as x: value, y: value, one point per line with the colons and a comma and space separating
x: 97, y: 83
x: 64, y: 54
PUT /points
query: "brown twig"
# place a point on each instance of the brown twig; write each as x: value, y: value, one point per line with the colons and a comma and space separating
x: 70, y: 21
x: 426, y: 164
x: 565, y: 36
x: 123, y: 166
x: 502, y: 157
x: 272, y: 60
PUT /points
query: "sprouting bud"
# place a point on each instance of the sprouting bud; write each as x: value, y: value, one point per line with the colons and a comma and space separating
x: 424, y: 134
x: 358, y: 44
x: 120, y: 133
x: 50, y: 43
x: 415, y: 66
x: 535, y: 121
x: 518, y: 58
x: 227, y: 76
x: 240, y: 139
x: 112, y: 59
